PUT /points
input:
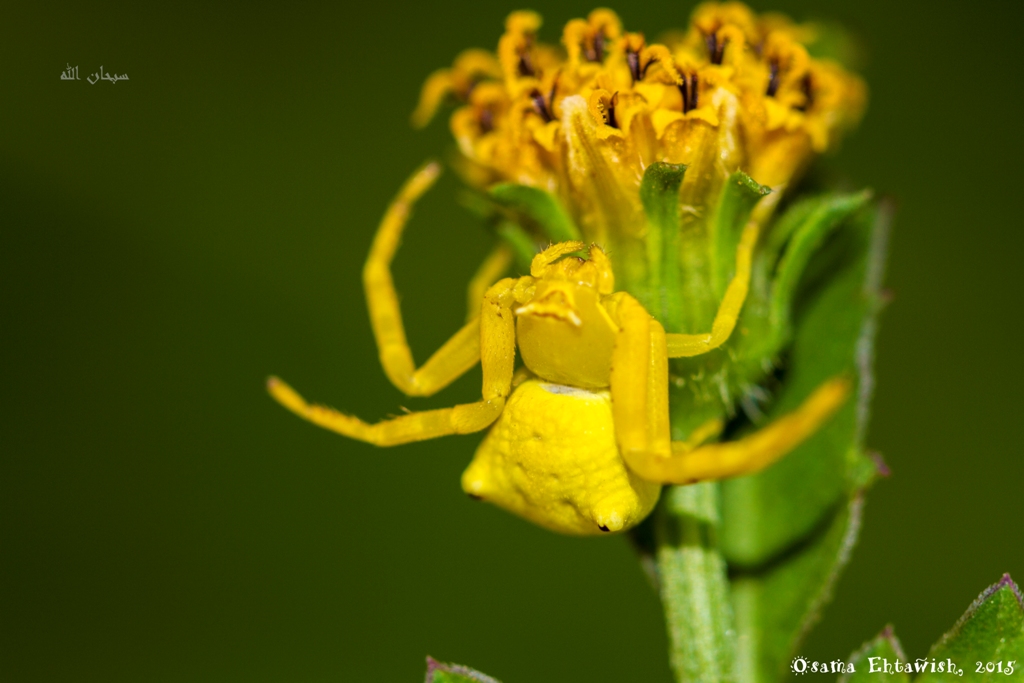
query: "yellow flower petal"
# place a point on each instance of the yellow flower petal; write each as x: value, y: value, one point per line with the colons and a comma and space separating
x: 547, y: 135
x: 585, y: 122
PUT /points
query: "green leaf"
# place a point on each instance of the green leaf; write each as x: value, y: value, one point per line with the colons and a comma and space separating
x: 783, y: 228
x: 767, y: 513
x: 990, y: 632
x: 659, y: 194
x: 868, y: 661
x: 540, y: 208
x: 776, y: 605
x: 439, y: 672
x: 807, y: 238
x: 735, y: 203
x: 787, y: 531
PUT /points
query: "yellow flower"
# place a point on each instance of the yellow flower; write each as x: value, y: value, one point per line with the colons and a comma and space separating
x: 735, y: 91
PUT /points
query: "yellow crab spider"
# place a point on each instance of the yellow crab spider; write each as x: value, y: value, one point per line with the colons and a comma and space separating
x: 580, y: 440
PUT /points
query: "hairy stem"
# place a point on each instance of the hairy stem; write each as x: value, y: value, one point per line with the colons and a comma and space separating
x: 694, y: 586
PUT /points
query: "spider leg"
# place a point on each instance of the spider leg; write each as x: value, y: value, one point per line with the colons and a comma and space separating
x: 755, y: 451
x: 639, y: 390
x: 490, y: 271
x: 684, y: 345
x: 458, y: 354
x: 420, y: 426
x: 639, y: 383
x: 497, y: 335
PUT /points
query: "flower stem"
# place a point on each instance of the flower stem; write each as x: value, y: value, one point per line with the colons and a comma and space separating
x: 694, y: 586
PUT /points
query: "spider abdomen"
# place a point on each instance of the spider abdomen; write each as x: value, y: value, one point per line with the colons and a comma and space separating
x: 552, y: 458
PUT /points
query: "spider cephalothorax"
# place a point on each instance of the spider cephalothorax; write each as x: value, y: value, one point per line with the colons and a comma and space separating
x: 581, y: 441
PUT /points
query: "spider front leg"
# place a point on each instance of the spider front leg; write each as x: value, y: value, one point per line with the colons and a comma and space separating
x: 639, y: 390
x: 685, y: 345
x: 497, y: 338
x: 639, y: 384
x: 756, y: 451
x: 490, y: 271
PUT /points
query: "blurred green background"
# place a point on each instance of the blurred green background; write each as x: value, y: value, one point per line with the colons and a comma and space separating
x: 168, y: 241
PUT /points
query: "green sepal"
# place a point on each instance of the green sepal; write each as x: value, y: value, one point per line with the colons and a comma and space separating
x: 990, y: 631
x: 885, y: 646
x: 439, y: 672
x: 538, y: 208
x: 659, y: 194
x: 736, y: 202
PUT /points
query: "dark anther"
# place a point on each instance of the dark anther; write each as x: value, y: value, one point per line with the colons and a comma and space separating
x: 541, y: 106
x: 716, y: 50
x: 633, y: 59
x: 474, y: 496
x: 808, y: 87
x: 486, y: 121
x: 602, y: 527
x: 611, y: 111
x: 636, y: 69
x: 525, y: 68
x: 551, y: 94
x: 688, y: 89
x: 598, y: 51
x: 773, y: 78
